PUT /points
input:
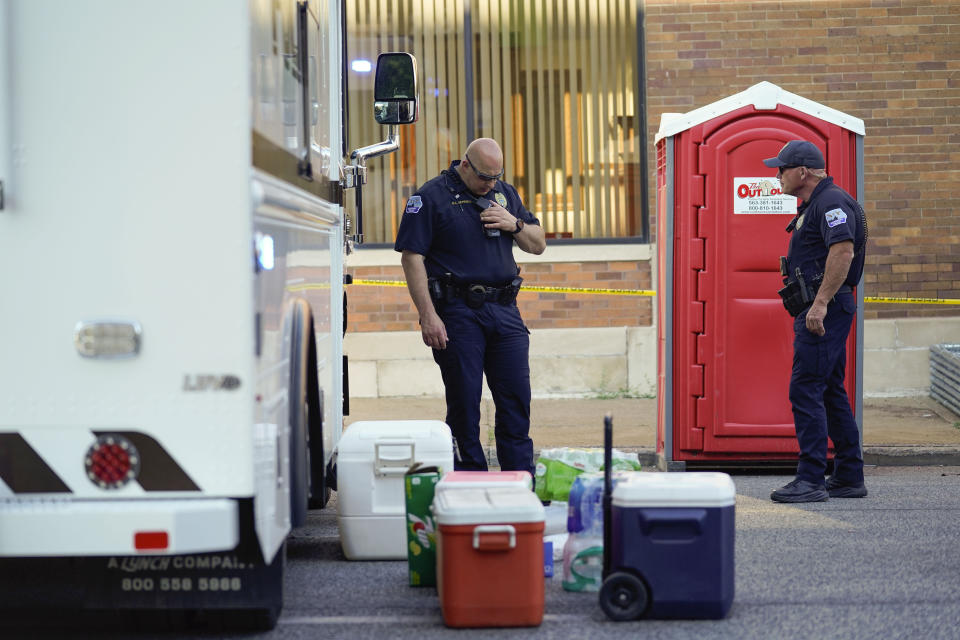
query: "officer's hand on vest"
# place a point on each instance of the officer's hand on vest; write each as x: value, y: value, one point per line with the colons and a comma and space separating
x: 496, y: 217
x: 433, y: 330
x: 815, y: 316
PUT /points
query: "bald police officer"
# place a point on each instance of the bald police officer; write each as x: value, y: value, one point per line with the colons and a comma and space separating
x: 824, y: 261
x: 456, y: 237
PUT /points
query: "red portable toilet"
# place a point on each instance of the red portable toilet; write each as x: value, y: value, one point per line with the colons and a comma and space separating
x: 725, y: 342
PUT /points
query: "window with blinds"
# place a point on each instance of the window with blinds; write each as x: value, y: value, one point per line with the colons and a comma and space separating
x: 555, y: 82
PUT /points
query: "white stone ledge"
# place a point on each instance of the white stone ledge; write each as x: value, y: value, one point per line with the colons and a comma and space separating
x: 589, y: 361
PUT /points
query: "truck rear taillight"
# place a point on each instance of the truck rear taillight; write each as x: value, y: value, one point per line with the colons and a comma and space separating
x: 112, y: 461
x: 151, y: 540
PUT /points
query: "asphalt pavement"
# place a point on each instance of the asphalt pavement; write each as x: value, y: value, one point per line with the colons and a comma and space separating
x: 886, y: 566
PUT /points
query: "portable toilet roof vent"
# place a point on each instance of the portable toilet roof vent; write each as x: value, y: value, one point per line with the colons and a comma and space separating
x: 764, y: 96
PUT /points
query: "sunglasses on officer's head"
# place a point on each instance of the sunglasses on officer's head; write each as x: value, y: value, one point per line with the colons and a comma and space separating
x: 482, y: 176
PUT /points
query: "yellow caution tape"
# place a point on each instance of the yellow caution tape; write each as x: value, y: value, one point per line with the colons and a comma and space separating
x: 308, y: 286
x: 387, y: 283
x: 650, y: 293
x: 884, y: 299
x: 608, y: 292
x: 614, y: 292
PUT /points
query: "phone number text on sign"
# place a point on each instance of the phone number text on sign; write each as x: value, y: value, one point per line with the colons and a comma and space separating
x: 181, y: 584
x: 761, y: 196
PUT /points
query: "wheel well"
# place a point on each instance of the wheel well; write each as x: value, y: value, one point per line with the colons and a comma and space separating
x: 631, y: 570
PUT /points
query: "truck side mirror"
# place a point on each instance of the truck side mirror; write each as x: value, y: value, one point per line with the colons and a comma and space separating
x: 395, y: 89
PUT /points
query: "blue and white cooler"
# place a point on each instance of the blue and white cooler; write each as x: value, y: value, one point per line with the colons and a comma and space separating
x: 671, y: 547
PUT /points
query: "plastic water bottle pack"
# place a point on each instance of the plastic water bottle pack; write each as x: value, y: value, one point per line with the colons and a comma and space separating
x: 583, y: 551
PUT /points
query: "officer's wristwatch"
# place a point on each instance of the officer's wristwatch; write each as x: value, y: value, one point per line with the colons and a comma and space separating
x: 519, y: 227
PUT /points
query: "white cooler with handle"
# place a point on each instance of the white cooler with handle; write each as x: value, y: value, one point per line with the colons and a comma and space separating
x: 372, y: 458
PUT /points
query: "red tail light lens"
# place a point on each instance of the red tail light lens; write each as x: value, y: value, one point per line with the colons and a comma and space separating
x: 151, y: 540
x: 112, y: 461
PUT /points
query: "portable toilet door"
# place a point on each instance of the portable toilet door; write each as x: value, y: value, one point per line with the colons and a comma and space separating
x: 725, y: 342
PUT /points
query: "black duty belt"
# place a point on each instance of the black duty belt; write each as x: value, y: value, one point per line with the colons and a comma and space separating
x: 488, y: 294
x: 796, y: 300
x: 475, y: 295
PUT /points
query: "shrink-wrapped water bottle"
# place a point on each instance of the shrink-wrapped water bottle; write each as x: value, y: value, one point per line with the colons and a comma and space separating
x: 583, y: 551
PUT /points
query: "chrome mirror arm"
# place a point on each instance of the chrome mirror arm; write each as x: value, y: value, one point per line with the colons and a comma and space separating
x: 356, y: 175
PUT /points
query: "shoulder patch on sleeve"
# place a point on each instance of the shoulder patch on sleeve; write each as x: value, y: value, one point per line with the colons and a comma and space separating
x: 835, y: 217
x: 414, y: 204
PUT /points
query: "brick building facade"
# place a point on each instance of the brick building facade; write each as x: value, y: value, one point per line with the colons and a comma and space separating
x: 386, y: 307
x: 893, y: 63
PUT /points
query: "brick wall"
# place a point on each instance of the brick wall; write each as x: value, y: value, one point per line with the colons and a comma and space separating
x: 893, y: 63
x: 388, y: 308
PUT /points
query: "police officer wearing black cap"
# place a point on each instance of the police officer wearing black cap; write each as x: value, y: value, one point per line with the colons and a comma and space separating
x: 456, y: 237
x: 824, y: 261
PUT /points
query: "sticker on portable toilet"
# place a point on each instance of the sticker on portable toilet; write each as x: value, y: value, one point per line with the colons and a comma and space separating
x: 761, y: 196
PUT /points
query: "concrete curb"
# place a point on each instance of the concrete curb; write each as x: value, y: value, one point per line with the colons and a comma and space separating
x: 883, y: 455
x: 915, y: 456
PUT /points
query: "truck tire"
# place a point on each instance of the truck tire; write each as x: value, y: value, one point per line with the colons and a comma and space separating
x: 319, y: 487
x: 299, y: 410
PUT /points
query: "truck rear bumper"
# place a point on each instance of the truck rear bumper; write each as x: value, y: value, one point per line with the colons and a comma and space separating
x: 36, y: 528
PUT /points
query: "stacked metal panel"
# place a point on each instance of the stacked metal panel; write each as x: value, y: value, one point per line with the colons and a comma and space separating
x: 945, y: 375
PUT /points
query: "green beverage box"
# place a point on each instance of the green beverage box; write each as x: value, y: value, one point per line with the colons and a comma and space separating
x: 419, y: 484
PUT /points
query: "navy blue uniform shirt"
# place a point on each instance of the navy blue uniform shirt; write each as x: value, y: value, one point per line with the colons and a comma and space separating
x: 830, y: 216
x: 441, y: 221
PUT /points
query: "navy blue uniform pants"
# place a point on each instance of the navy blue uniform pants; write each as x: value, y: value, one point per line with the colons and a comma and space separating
x: 492, y: 340
x: 821, y: 406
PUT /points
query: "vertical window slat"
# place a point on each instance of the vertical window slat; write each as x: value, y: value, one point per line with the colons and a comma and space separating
x: 554, y: 85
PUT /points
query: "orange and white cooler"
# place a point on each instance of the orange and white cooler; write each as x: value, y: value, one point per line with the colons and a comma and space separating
x: 490, y: 557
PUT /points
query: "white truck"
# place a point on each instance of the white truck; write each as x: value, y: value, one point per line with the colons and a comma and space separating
x: 172, y: 240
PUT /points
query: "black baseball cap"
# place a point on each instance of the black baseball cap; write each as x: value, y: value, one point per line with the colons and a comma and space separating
x: 797, y: 153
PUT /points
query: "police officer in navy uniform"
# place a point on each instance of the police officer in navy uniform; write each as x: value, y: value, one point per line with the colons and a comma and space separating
x: 824, y: 261
x: 456, y: 236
